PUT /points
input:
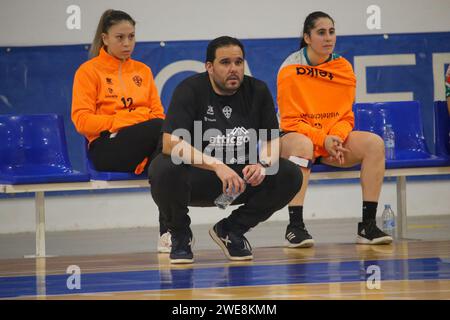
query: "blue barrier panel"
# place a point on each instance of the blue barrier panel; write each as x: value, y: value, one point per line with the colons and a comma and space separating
x: 39, y: 79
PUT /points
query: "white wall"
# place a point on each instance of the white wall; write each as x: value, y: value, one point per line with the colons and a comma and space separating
x: 128, y: 210
x: 43, y: 22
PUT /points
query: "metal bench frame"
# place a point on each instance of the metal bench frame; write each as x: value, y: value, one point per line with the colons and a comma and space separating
x: 40, y: 189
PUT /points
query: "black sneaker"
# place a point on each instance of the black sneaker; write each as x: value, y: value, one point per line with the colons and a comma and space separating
x: 298, y: 237
x: 181, y: 251
x: 235, y: 246
x: 368, y: 233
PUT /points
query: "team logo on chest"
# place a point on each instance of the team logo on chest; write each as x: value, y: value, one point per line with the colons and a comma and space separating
x: 137, y: 80
x: 209, y: 116
x: 227, y: 111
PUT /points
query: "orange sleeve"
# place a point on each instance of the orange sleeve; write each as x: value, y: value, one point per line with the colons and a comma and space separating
x: 84, y: 97
x: 317, y: 136
x: 344, y: 126
x: 346, y: 123
x: 157, y: 109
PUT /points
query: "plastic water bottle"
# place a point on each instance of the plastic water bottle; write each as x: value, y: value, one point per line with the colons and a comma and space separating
x: 388, y: 219
x: 389, y: 142
x: 224, y: 200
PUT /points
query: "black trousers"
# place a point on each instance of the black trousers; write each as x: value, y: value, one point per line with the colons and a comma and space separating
x: 175, y: 187
x: 128, y: 148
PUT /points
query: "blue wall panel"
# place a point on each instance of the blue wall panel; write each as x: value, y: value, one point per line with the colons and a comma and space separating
x: 39, y: 79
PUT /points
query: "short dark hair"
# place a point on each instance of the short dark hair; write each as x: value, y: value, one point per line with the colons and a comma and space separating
x: 310, y: 23
x: 220, y: 42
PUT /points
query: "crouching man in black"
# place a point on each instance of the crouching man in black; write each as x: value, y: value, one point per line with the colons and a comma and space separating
x: 210, y: 146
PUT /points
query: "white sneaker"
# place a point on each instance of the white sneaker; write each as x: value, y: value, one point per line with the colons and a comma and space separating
x: 165, y: 243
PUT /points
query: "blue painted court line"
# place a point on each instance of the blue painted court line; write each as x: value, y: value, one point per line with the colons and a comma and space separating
x: 230, y: 276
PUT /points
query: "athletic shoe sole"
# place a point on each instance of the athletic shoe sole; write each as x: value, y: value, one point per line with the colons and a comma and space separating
x: 181, y: 261
x: 308, y: 243
x: 376, y: 241
x: 163, y: 249
x: 217, y: 240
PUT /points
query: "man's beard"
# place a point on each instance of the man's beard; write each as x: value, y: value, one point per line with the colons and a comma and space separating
x: 225, y: 89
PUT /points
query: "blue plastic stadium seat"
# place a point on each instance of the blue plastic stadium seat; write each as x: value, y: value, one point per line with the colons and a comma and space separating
x: 108, y: 175
x: 406, y: 120
x: 442, y: 129
x: 33, y: 150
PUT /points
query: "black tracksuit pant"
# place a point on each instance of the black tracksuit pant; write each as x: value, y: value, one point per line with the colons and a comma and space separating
x: 175, y: 187
x: 123, y: 152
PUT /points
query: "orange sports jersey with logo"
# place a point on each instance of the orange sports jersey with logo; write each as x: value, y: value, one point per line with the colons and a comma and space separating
x: 316, y: 100
x: 110, y: 94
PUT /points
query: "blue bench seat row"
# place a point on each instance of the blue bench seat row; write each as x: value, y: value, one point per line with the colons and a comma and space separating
x: 406, y: 120
x: 33, y: 148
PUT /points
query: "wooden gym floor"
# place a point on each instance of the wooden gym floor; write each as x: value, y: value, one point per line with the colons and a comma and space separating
x: 407, y: 270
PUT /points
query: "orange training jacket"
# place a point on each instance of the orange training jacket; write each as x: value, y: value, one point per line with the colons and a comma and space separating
x: 110, y: 94
x: 316, y: 100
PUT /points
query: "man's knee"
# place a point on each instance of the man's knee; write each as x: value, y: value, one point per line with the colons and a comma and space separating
x: 290, y: 175
x: 295, y: 144
x: 163, y: 171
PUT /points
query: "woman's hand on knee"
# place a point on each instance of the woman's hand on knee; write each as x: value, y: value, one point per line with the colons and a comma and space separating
x: 335, y: 148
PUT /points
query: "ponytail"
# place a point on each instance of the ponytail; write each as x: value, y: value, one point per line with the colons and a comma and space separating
x: 107, y: 20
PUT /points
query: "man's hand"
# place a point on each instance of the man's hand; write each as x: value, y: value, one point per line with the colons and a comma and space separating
x: 254, y: 174
x: 231, y: 182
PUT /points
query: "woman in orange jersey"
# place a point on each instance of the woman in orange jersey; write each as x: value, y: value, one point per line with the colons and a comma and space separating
x: 316, y: 91
x: 115, y: 103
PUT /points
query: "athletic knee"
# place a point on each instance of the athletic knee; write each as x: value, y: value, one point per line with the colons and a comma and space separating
x: 295, y: 144
x: 375, y: 144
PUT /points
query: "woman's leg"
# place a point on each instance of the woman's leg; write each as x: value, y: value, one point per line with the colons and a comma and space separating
x: 126, y: 150
x: 367, y: 149
x: 298, y: 145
